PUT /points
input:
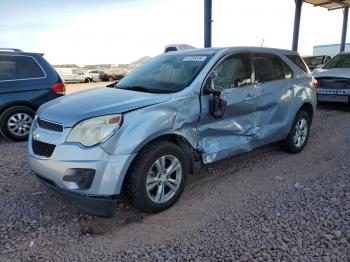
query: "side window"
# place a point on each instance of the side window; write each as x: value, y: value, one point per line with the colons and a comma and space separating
x: 234, y: 71
x: 296, y: 59
x: 288, y: 72
x: 268, y: 68
x: 19, y: 67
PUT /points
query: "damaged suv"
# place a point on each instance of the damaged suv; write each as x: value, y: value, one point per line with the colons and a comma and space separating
x: 163, y: 121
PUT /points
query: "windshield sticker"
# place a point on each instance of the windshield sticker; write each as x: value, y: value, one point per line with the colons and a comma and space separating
x: 194, y: 58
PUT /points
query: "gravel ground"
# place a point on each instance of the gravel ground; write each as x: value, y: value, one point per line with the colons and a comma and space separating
x: 71, y: 88
x: 263, y: 205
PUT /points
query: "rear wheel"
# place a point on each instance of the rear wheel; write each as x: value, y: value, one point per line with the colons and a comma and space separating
x: 15, y: 123
x: 157, y: 177
x: 299, y: 133
x: 87, y: 80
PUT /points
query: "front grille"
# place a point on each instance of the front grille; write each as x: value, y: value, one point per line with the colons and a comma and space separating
x: 49, y: 125
x: 42, y: 149
x: 333, y: 82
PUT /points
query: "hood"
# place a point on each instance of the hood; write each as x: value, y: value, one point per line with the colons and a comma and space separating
x: 335, y: 72
x: 73, y: 108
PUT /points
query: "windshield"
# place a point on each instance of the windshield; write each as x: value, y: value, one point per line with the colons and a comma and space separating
x: 165, y: 74
x: 339, y: 61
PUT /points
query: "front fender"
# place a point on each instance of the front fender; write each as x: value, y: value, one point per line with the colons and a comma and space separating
x: 177, y: 116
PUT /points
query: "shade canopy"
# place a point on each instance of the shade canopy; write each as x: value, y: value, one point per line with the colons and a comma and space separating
x: 329, y: 4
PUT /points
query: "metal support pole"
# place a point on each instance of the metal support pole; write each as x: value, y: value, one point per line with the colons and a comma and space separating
x: 297, y: 16
x: 345, y: 27
x: 207, y: 23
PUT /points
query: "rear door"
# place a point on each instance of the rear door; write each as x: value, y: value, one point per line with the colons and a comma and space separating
x: 275, y: 85
x: 234, y: 132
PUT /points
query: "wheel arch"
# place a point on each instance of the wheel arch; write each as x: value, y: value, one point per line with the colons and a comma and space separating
x: 308, y: 108
x: 192, y: 155
x: 15, y: 104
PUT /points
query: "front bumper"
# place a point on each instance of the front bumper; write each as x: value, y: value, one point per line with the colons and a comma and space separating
x: 66, y: 161
x: 97, y: 206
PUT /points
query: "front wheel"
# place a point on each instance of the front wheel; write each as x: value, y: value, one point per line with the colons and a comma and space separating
x: 299, y: 133
x: 157, y: 177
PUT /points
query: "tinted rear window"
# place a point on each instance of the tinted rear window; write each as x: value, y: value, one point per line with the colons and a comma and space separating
x: 268, y: 68
x: 299, y: 62
x: 14, y: 67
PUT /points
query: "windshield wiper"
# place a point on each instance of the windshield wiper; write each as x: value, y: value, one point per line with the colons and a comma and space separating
x: 141, y: 89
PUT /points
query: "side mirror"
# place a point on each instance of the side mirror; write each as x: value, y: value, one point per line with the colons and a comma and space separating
x: 217, y: 104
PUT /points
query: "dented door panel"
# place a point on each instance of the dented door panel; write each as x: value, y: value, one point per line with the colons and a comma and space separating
x: 272, y: 106
x: 236, y: 131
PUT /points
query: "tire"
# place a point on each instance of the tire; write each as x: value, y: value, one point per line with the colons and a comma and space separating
x: 146, y: 167
x: 292, y: 146
x: 87, y: 80
x: 17, y: 116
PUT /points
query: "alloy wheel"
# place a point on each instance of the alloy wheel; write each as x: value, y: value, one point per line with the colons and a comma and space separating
x: 164, y: 179
x: 300, y: 132
x: 19, y: 124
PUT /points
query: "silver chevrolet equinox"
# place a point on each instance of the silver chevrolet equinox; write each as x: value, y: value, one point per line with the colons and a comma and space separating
x: 145, y: 134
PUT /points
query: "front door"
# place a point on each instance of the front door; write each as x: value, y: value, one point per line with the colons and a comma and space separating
x: 235, y: 131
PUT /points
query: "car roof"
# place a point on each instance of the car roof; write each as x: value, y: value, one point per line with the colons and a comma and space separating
x: 212, y: 51
x: 14, y: 51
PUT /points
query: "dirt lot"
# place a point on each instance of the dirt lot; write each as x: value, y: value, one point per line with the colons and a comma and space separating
x: 264, y: 205
x: 71, y: 88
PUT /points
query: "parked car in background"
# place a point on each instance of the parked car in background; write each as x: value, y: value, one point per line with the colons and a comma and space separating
x: 74, y: 75
x: 334, y: 79
x: 145, y: 134
x: 95, y: 74
x: 177, y: 47
x: 26, y: 81
x: 112, y: 74
x: 316, y: 61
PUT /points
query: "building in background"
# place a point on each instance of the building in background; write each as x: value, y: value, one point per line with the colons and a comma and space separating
x: 330, y: 50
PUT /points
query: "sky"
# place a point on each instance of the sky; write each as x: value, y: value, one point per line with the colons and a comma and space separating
x: 121, y: 31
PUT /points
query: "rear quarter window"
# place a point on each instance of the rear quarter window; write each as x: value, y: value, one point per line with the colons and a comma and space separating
x: 298, y: 61
x: 17, y: 67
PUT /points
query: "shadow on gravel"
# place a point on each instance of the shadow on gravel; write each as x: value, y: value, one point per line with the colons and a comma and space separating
x: 101, y: 226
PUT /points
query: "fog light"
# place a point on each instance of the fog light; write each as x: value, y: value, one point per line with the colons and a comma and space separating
x: 82, y: 177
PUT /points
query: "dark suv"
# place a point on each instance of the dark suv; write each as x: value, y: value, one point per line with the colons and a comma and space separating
x: 27, y: 80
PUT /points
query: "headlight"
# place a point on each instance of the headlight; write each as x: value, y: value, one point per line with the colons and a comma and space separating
x: 94, y: 130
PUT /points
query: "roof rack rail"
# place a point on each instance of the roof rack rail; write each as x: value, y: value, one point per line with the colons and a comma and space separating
x: 11, y: 49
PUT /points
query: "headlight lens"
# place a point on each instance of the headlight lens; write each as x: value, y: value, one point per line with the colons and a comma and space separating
x: 94, y: 130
